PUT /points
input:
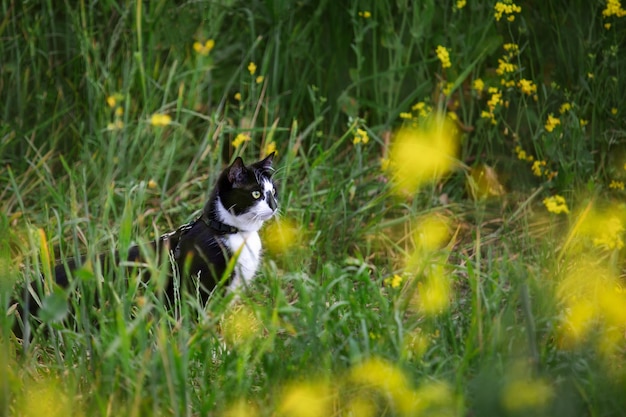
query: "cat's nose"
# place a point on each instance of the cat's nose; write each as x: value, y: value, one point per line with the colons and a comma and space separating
x: 271, y: 200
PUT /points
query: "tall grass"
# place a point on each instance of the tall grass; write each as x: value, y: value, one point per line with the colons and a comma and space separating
x: 461, y: 297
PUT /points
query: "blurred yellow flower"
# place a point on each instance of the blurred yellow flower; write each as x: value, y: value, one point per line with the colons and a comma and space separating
x: 614, y: 111
x: 117, y: 125
x: 46, y: 398
x: 237, y: 96
x: 419, y: 156
x: 433, y: 295
x: 240, y: 325
x: 240, y: 139
x: 306, y: 399
x: 159, y: 119
x: 556, y: 204
x: 204, y: 48
x: 259, y: 79
x: 431, y: 233
x: 152, y: 184
x: 252, y: 68
x: 114, y: 99
x: 375, y: 373
x: 610, y: 234
x: 484, y: 182
x: 444, y: 56
x: 241, y: 409
x: 460, y: 4
x: 552, y: 122
x: 365, y: 14
x: 405, y: 115
x: 526, y: 394
x: 415, y: 344
x: 280, y: 236
x: 617, y: 185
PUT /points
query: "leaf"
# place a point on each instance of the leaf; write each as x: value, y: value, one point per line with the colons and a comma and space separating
x: 54, y: 307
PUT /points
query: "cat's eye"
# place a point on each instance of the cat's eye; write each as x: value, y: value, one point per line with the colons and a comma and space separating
x: 256, y: 195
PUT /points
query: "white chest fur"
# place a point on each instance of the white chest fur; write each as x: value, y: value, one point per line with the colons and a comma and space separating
x: 246, y: 248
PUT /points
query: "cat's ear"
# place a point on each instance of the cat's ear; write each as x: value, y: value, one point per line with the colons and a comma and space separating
x: 237, y: 171
x: 265, y: 165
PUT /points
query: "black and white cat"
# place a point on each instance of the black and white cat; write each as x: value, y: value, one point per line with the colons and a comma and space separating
x: 224, y: 236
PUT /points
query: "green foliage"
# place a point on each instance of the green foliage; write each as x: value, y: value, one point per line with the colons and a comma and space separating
x: 117, y: 117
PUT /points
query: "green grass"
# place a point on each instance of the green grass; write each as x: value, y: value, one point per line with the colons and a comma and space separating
x: 322, y: 331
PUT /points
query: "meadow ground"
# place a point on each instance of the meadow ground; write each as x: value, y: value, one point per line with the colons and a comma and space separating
x: 451, y: 238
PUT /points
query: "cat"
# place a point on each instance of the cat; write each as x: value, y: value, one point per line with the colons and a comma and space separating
x: 220, y: 247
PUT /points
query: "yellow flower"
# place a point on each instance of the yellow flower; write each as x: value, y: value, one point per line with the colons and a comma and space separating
x: 114, y: 99
x: 240, y: 139
x: 613, y: 8
x: 393, y: 282
x: 522, y: 155
x: 552, y: 122
x: 422, y: 109
x: 611, y: 235
x: 152, y: 184
x: 259, y: 79
x: 444, y: 56
x: 527, y: 86
x: 526, y: 394
x: 505, y: 67
x: 160, y: 120
x: 583, y: 122
x: 360, y: 137
x: 117, y: 125
x: 506, y: 8
x: 204, y: 48
x: 565, y: 107
x: 237, y: 96
x: 511, y: 48
x: 590, y: 75
x: 433, y: 295
x: 556, y: 204
x: 460, y: 4
x: 478, y: 85
x: 617, y: 185
x: 614, y: 111
x: 607, y: 26
x: 281, y: 236
x: 495, y: 100
x: 405, y: 115
x: 240, y: 325
x: 306, y: 399
x: 252, y: 68
x: 365, y: 14
x: 419, y: 156
x: 538, y: 168
x: 270, y: 148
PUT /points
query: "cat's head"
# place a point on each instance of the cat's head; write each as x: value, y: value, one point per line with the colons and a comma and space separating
x: 246, y: 195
